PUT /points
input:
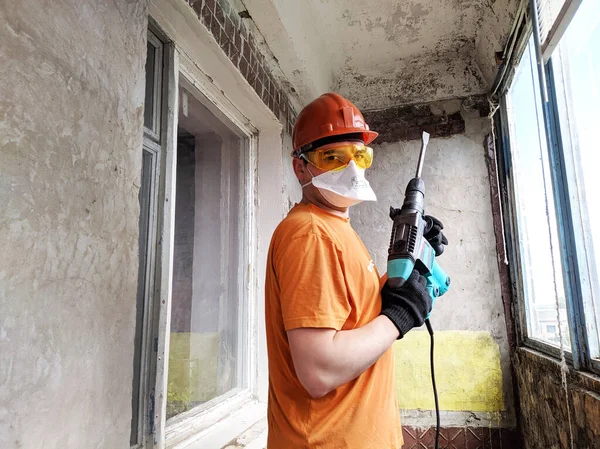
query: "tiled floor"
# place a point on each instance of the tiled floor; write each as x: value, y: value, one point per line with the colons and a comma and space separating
x: 461, y: 438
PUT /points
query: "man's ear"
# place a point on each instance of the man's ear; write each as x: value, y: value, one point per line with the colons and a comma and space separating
x: 300, y: 170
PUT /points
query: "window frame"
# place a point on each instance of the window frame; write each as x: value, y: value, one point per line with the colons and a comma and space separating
x: 153, y: 143
x: 157, y: 111
x: 194, y: 54
x: 571, y: 251
x: 185, y: 426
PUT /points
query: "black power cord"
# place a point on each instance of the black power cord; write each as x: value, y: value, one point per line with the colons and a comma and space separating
x: 435, y: 395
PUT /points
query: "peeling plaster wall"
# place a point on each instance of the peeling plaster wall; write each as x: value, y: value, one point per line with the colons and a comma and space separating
x: 71, y: 112
x: 457, y: 192
x: 492, y: 33
x: 434, y: 75
x: 385, y: 54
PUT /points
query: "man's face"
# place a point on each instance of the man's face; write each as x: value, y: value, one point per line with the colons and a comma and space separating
x: 333, y: 156
x: 305, y: 171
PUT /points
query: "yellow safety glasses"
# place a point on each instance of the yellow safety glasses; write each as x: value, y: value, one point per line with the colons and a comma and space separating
x: 337, y: 155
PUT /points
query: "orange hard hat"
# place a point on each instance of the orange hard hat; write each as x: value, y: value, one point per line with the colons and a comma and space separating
x: 328, y: 116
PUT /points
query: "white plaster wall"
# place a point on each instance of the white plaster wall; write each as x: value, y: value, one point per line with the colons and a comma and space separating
x: 71, y: 109
x: 457, y: 192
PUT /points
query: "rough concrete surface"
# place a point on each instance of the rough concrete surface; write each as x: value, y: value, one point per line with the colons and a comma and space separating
x: 556, y: 414
x: 71, y: 110
x: 457, y: 192
x: 383, y: 54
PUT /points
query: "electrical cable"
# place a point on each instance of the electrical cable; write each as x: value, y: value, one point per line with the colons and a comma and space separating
x: 435, y: 395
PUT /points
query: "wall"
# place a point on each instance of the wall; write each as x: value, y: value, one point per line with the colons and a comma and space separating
x: 558, y: 409
x: 234, y: 30
x: 472, y: 359
x: 71, y: 109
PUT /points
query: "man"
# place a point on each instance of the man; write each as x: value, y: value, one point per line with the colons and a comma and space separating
x: 330, y: 326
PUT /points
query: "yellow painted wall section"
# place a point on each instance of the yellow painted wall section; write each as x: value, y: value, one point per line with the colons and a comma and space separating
x: 467, y: 371
x: 193, y: 368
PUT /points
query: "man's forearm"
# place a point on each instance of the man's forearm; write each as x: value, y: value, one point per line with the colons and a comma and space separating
x: 357, y: 349
x: 342, y: 356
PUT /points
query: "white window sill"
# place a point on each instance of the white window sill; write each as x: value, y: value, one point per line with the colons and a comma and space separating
x: 245, y: 429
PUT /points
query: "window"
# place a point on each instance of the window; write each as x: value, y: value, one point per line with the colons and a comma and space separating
x: 543, y: 288
x: 200, y: 365
x: 152, y: 98
x: 208, y: 292
x: 554, y: 212
x: 141, y: 422
x: 577, y: 73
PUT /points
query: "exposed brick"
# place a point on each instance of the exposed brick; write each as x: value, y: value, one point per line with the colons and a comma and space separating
x: 225, y: 44
x: 238, y: 43
x: 244, y: 67
x: 257, y: 86
x: 235, y: 19
x: 206, y: 16
x: 234, y: 54
x: 253, y: 46
x: 276, y: 107
x: 246, y: 51
x: 215, y: 29
x: 197, y: 6
x: 272, y: 86
x: 251, y: 77
x: 408, y: 122
x: 262, y: 76
x: 225, y: 6
x: 271, y: 104
x: 237, y: 39
x: 255, y: 83
x: 244, y: 30
x: 264, y: 95
x: 229, y: 29
x: 421, y: 110
x: 219, y: 14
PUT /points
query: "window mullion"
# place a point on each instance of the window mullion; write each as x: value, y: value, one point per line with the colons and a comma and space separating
x: 565, y: 226
x: 510, y: 221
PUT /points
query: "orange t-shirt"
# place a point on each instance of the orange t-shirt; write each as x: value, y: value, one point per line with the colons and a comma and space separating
x: 319, y: 274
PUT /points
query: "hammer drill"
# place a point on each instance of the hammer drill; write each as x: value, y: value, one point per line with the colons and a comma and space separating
x: 408, y: 248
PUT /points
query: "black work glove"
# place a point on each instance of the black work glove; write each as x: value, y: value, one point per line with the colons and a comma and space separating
x: 434, y: 235
x: 407, y: 306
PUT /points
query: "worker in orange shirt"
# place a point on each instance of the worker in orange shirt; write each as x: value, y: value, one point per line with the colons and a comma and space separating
x: 330, y: 326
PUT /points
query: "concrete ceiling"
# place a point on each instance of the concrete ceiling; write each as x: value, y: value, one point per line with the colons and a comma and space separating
x: 383, y: 53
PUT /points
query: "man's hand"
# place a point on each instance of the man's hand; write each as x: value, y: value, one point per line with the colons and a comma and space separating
x: 407, y: 306
x: 434, y: 235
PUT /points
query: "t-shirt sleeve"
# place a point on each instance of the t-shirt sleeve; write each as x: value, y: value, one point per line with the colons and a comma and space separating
x: 312, y: 287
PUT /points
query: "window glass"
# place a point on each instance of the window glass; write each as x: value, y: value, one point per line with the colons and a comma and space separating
x: 577, y: 71
x: 545, y: 306
x: 207, y: 327
x: 150, y: 82
x: 144, y: 287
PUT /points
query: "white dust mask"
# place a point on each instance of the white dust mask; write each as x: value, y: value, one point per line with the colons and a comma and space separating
x: 343, y: 188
